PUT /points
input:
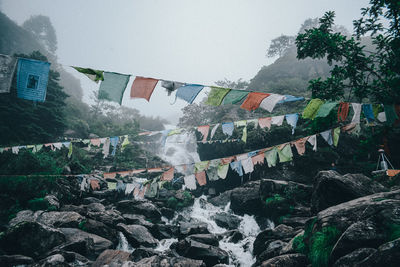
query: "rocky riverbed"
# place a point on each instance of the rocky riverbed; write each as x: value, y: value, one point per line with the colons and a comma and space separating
x: 330, y: 220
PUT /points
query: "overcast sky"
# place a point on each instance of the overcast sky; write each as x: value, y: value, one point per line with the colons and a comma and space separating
x: 185, y: 40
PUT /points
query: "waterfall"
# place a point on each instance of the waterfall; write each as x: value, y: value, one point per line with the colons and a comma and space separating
x: 123, y: 243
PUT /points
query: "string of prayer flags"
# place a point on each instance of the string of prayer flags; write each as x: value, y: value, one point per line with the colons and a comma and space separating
x: 143, y: 87
x: 253, y: 100
x: 223, y: 170
x: 201, y: 166
x: 258, y: 159
x: 32, y: 78
x: 277, y: 120
x: 204, y: 131
x: 285, y: 153
x: 325, y: 109
x: 269, y: 102
x: 271, y: 156
x: 188, y: 92
x: 312, y: 108
x: 7, y: 68
x: 113, y: 86
x: 265, y: 122
x: 234, y: 96
x: 171, y: 86
x: 94, y: 75
x: 190, y: 182
x: 343, y: 111
x: 216, y: 96
x: 237, y: 167
x: 214, y: 129
x: 336, y: 134
x: 368, y: 112
x: 357, y: 112
x: 292, y: 119
x: 201, y: 178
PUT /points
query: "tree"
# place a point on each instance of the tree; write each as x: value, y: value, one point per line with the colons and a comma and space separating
x: 279, y: 45
x: 41, y: 27
x: 360, y: 73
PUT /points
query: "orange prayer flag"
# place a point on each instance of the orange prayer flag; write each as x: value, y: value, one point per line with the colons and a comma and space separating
x: 201, y: 178
x: 143, y: 87
x: 168, y: 175
x: 253, y: 100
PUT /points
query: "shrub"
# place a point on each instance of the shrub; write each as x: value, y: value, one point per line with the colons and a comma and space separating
x: 172, y: 203
x: 38, y: 204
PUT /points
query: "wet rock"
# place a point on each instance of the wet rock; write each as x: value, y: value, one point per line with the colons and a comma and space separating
x: 53, y: 260
x: 15, y: 260
x: 137, y: 219
x: 137, y: 235
x: 331, y: 188
x: 100, y: 229
x: 108, y: 217
x: 168, y: 213
x: 163, y: 231
x: 52, y: 201
x: 208, y: 239
x: 295, y: 221
x: 94, y: 207
x: 296, y: 192
x: 146, y: 208
x: 77, y: 209
x: 354, y: 257
x: 31, y: 239
x: 358, y: 235
x: 112, y: 257
x: 235, y: 237
x: 167, y: 262
x: 222, y: 199
x: 191, y: 228
x: 288, y: 248
x: 90, y: 200
x: 51, y: 218
x: 211, y: 255
x: 288, y: 260
x: 387, y: 255
x: 141, y: 253
x: 274, y: 248
x: 86, y: 244
x: 246, y: 199
x: 281, y: 232
x: 226, y: 220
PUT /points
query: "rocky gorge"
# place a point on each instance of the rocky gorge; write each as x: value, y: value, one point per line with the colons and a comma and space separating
x: 327, y: 220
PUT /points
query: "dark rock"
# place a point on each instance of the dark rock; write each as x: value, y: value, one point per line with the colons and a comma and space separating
x: 222, y: 199
x: 94, y: 207
x: 90, y: 200
x: 108, y: 217
x: 295, y: 221
x: 52, y: 201
x: 387, y: 255
x: 191, y: 228
x: 137, y: 235
x: 168, y: 262
x: 354, y: 257
x: 211, y: 255
x: 110, y: 256
x: 137, y: 219
x: 163, y: 231
x: 51, y: 218
x: 296, y: 192
x: 100, y: 229
x: 165, y: 193
x: 88, y: 245
x: 54, y: 260
x: 246, y: 199
x: 288, y: 248
x: 141, y: 253
x: 148, y: 209
x: 331, y: 188
x: 31, y: 239
x: 281, y: 232
x: 235, y: 237
x: 14, y: 260
x: 288, y: 260
x: 208, y: 239
x: 77, y: 209
x: 168, y: 213
x: 274, y: 248
x: 226, y: 220
x: 358, y: 235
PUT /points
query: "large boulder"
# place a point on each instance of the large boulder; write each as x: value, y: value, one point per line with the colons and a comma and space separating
x: 226, y: 220
x: 30, y: 239
x: 246, y: 199
x: 109, y: 217
x: 100, y: 229
x: 137, y: 235
x: 167, y: 262
x: 86, y: 244
x: 274, y: 249
x: 191, y: 228
x: 146, y: 208
x: 331, y: 188
x: 208, y: 239
x: 292, y: 260
x: 222, y: 199
x: 142, y: 252
x: 15, y: 260
x: 211, y: 255
x: 51, y: 218
x: 294, y: 191
x: 354, y: 257
x: 387, y: 255
x: 54, y: 260
x: 114, y: 257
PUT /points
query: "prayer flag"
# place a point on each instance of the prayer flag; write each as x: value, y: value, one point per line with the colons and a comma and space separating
x: 190, y: 182
x: 216, y: 96
x: 265, y: 122
x: 343, y: 111
x: 234, y: 96
x: 94, y: 75
x: 271, y: 157
x: 285, y: 153
x: 223, y: 170
x: 368, y: 112
x: 325, y: 109
x: 227, y: 128
x: 204, y: 131
x: 32, y: 78
x: 143, y: 87
x: 168, y: 175
x: 171, y: 86
x: 312, y: 108
x: 113, y: 86
x: 291, y: 119
x: 189, y: 92
x: 357, y: 112
x: 201, y: 178
x: 327, y: 135
x: 270, y: 102
x: 237, y: 167
x: 253, y: 100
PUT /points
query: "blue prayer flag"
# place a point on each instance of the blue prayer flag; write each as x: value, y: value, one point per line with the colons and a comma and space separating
x: 290, y: 98
x: 368, y: 112
x: 114, y: 142
x: 32, y: 78
x: 291, y: 119
x: 237, y: 167
x: 189, y: 92
x: 227, y: 128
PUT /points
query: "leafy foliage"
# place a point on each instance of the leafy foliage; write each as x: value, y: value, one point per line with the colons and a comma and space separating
x: 280, y: 45
x: 322, y: 243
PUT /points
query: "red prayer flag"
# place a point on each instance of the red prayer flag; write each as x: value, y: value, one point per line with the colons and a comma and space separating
x: 143, y: 87
x: 253, y: 100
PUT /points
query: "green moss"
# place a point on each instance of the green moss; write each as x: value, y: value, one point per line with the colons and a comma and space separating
x: 172, y: 202
x: 394, y: 231
x: 82, y: 225
x: 52, y: 208
x: 322, y: 243
x: 38, y: 204
x: 299, y: 245
x: 274, y: 199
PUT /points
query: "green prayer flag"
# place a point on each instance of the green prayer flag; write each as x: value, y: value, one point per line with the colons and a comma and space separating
x: 271, y: 157
x: 94, y: 75
x: 201, y: 166
x: 223, y: 170
x: 234, y: 96
x: 312, y: 108
x: 285, y: 153
x: 336, y: 134
x: 216, y: 96
x: 125, y: 143
x: 175, y: 131
x: 244, y: 136
x: 391, y: 115
x: 111, y: 185
x: 113, y: 86
x: 240, y: 123
x: 38, y: 148
x: 376, y: 109
x: 70, y: 150
x: 326, y: 108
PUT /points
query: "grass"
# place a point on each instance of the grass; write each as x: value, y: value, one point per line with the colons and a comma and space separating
x: 322, y: 243
x: 299, y: 245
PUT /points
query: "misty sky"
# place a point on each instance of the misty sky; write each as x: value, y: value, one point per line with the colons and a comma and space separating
x: 184, y: 40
